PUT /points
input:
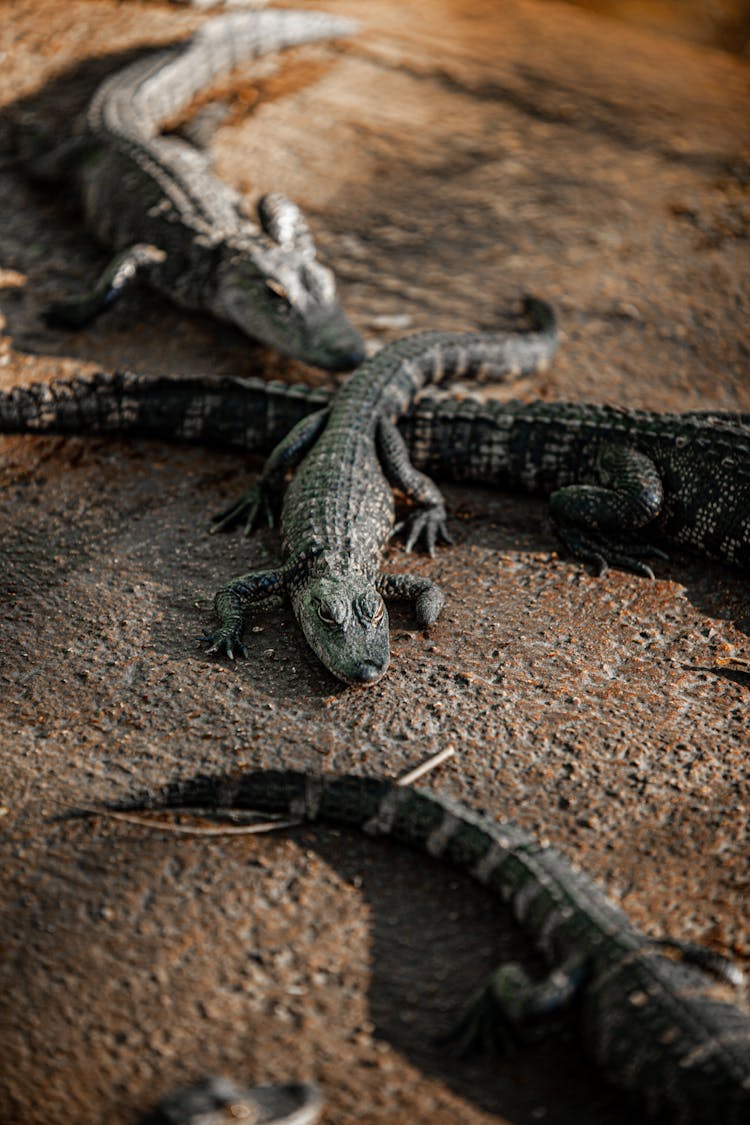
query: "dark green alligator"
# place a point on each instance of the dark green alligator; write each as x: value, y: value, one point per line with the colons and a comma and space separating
x: 153, y: 198
x: 338, y: 510
x: 657, y: 1016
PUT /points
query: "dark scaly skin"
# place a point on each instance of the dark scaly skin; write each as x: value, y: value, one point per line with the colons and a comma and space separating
x: 615, y: 477
x: 247, y: 414
x: 338, y: 511
x: 702, y: 458
x: 153, y: 199
x: 656, y: 1017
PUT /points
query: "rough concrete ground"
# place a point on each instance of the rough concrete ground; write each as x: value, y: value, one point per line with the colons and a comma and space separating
x: 451, y: 157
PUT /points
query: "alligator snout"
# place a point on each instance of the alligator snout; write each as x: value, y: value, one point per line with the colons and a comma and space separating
x: 368, y: 673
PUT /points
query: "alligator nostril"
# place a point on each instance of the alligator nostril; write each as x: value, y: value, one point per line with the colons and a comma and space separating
x: 368, y: 673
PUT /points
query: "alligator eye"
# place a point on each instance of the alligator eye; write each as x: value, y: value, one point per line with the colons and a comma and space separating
x: 377, y: 616
x: 276, y: 289
x: 325, y: 614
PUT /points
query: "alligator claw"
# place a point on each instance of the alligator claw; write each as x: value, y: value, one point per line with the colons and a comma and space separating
x: 426, y: 524
x: 480, y: 1029
x: 249, y: 507
x: 224, y: 644
x: 602, y: 552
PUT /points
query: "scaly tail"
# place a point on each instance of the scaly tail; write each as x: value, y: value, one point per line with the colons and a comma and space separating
x: 248, y: 414
x: 159, y: 86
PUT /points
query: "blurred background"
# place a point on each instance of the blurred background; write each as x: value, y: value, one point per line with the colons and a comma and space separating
x: 717, y: 23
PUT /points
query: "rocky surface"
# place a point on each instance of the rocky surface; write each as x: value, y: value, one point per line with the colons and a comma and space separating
x: 451, y: 157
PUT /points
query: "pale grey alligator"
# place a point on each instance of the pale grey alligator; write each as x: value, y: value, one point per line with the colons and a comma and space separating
x: 175, y: 225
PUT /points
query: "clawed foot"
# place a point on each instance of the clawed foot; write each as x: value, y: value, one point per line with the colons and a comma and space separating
x: 224, y: 643
x: 426, y: 524
x: 603, y: 552
x: 479, y: 1029
x: 120, y: 274
x: 254, y: 508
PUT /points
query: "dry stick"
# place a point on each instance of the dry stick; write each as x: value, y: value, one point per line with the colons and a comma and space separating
x: 431, y: 764
x: 197, y: 829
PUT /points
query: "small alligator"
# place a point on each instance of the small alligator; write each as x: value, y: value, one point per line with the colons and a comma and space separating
x: 655, y: 1015
x: 612, y: 475
x: 338, y: 511
x: 153, y: 198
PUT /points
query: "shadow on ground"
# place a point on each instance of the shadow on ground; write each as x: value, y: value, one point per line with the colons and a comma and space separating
x: 248, y: 954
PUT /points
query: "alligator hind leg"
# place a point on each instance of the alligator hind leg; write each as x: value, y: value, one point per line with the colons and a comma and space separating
x: 595, y: 521
x: 257, y: 501
x: 123, y: 271
x: 429, y: 521
x: 510, y: 1001
x: 427, y: 597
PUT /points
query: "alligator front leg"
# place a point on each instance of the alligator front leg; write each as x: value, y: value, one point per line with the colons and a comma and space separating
x: 123, y: 271
x: 510, y: 1001
x: 429, y: 519
x: 230, y: 602
x: 288, y: 453
x: 427, y: 597
x: 594, y: 521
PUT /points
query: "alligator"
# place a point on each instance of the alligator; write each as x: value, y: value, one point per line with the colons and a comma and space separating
x: 658, y: 1016
x: 174, y: 224
x: 338, y: 510
x: 613, y: 475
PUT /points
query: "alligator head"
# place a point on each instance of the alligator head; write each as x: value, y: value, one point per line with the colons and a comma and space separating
x: 276, y: 290
x: 345, y: 622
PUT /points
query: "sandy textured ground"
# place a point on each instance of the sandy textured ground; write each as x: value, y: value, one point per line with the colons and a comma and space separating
x: 451, y: 157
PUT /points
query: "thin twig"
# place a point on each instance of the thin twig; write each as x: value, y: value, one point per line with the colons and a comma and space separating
x: 237, y: 815
x: 431, y: 764
x: 196, y: 829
